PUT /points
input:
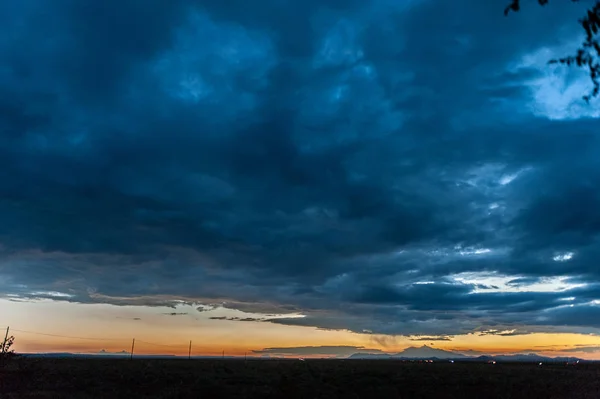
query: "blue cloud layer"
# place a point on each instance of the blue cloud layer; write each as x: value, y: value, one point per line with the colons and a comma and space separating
x: 346, y: 160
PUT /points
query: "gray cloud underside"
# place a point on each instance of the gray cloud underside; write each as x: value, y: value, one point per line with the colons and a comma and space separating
x: 317, y: 350
x: 320, y: 157
x: 585, y: 349
x: 431, y: 339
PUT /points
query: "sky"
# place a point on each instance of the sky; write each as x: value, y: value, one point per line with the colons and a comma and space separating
x: 316, y: 177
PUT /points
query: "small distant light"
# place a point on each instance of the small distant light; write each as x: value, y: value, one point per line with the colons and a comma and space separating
x: 540, y: 363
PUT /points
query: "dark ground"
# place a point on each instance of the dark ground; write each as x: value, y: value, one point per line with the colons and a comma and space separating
x: 116, y: 378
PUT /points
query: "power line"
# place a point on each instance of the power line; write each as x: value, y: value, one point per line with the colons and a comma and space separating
x: 167, y: 345
x: 174, y: 346
x: 94, y: 338
x: 64, y: 336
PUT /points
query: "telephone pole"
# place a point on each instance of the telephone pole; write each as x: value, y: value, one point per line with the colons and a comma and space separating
x: 5, y: 339
x: 190, y: 351
x: 132, y: 346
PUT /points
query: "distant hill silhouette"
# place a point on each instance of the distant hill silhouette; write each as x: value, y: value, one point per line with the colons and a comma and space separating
x: 123, y: 354
x: 423, y: 352
x: 428, y: 353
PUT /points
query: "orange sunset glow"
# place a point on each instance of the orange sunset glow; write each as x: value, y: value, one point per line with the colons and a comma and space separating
x: 324, y: 179
x: 41, y: 327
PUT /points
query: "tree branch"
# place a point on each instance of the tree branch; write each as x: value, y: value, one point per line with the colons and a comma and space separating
x: 588, y: 54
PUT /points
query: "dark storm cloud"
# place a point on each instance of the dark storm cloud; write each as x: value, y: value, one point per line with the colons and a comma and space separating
x: 523, y: 281
x: 584, y: 349
x: 444, y: 297
x: 584, y: 315
x: 507, y: 333
x: 431, y: 339
x: 345, y: 160
x: 236, y: 318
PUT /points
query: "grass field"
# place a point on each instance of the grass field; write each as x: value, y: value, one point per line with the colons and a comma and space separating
x: 115, y: 378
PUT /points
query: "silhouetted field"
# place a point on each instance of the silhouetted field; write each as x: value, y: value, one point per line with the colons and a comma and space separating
x: 115, y: 378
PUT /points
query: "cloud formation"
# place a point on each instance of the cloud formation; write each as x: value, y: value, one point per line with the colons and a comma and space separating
x: 378, y: 167
x: 423, y: 338
x: 317, y: 350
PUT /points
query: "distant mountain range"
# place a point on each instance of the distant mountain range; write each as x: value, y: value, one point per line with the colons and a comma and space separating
x: 118, y: 355
x: 428, y: 353
x: 413, y: 353
x: 423, y: 352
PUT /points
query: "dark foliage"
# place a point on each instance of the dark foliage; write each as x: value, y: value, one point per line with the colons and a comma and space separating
x: 115, y: 378
x: 588, y: 54
x: 6, y: 355
x: 6, y: 350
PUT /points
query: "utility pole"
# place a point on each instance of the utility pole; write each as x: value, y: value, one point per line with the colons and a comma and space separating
x: 132, y: 346
x: 190, y: 351
x: 223, y: 355
x: 5, y: 339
